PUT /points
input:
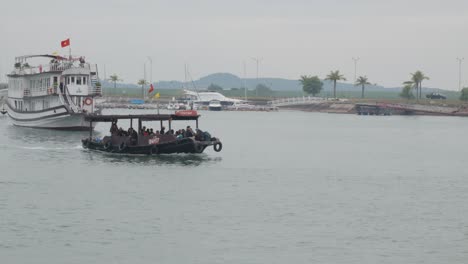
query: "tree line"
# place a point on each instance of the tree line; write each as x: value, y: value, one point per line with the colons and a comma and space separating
x: 312, y: 85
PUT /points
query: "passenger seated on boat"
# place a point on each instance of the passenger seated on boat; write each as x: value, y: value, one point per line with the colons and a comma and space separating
x: 199, y: 136
x: 134, y: 137
x: 114, y: 129
x: 157, y: 133
x: 122, y: 132
x: 189, y: 132
x: 151, y: 132
x: 146, y: 133
x: 163, y: 130
x: 179, y: 134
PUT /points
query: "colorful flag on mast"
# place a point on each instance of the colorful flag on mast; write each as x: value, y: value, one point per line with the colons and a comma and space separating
x: 65, y: 43
x: 156, y: 96
x: 151, y: 89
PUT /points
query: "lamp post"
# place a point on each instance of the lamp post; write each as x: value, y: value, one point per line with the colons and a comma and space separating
x: 151, y: 69
x: 355, y: 67
x: 245, y: 84
x: 257, y: 60
x: 460, y: 60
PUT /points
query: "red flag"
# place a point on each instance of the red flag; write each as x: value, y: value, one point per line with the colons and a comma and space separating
x: 65, y: 43
x: 151, y: 88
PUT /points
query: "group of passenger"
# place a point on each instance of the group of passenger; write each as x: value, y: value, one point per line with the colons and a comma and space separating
x: 179, y: 134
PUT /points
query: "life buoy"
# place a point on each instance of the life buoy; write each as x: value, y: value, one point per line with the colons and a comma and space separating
x: 108, y: 145
x: 218, y: 146
x: 154, y: 150
x: 88, y: 101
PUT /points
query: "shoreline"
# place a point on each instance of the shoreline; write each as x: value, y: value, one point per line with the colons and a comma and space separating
x: 380, y: 108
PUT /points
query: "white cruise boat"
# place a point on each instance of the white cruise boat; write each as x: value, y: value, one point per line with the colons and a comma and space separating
x: 211, y: 100
x: 215, y: 105
x: 56, y: 95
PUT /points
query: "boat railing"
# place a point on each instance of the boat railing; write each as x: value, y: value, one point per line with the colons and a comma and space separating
x: 51, y: 67
x: 95, y: 87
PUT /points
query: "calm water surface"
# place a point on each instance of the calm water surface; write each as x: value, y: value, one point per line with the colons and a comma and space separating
x: 288, y: 187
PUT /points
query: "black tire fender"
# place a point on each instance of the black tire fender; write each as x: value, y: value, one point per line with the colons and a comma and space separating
x: 198, y: 147
x: 218, y: 146
x: 108, y: 145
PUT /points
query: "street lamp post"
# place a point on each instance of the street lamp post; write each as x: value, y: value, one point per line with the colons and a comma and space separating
x: 144, y: 79
x: 245, y: 84
x: 257, y: 60
x: 355, y: 67
x: 151, y: 69
x: 460, y: 60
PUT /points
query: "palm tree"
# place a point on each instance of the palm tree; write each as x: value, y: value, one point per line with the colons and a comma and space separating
x: 363, y: 81
x: 335, y: 76
x: 416, y: 80
x: 114, y: 78
x: 142, y: 82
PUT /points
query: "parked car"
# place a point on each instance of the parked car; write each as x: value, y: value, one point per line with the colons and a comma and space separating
x: 435, y: 96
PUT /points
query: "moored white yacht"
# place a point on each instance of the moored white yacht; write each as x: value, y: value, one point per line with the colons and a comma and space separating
x: 211, y: 100
x: 57, y: 94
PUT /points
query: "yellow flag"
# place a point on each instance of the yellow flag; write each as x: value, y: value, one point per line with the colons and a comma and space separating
x: 156, y: 96
x: 55, y: 53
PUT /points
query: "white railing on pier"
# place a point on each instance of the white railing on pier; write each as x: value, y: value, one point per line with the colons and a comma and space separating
x: 302, y: 100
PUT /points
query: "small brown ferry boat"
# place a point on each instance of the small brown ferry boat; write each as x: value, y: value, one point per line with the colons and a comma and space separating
x: 138, y: 142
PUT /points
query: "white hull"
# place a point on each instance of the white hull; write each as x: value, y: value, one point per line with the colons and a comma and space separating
x: 51, y: 119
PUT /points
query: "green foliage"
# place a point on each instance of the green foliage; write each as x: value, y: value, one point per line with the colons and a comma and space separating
x: 311, y: 84
x: 406, y: 92
x: 335, y: 76
x: 416, y: 82
x: 142, y: 82
x: 464, y: 94
x: 215, y: 88
x: 363, y: 81
x: 114, y: 78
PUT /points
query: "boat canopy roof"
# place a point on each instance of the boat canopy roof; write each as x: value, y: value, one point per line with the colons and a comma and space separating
x: 163, y: 117
x: 57, y: 57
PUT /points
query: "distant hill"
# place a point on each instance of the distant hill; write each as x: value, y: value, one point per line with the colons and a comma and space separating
x: 228, y: 81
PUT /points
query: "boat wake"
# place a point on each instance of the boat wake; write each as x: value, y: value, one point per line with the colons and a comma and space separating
x: 49, y: 148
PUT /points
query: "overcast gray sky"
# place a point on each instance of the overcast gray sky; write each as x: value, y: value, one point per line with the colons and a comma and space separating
x: 295, y: 37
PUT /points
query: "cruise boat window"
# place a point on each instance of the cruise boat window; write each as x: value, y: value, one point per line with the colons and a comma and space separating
x: 73, y: 80
x: 78, y: 80
x: 84, y: 80
x: 68, y: 80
